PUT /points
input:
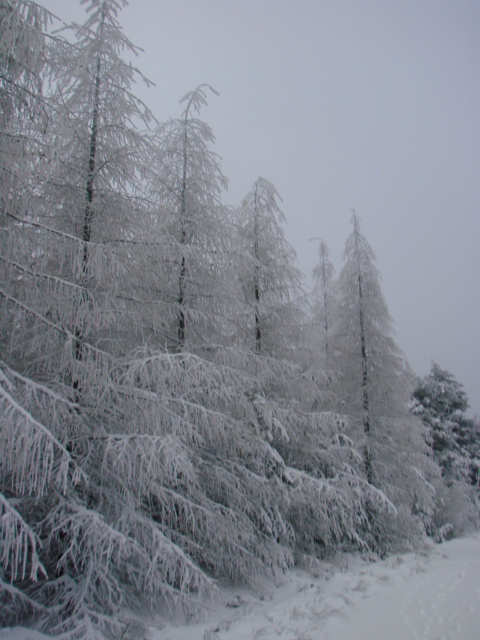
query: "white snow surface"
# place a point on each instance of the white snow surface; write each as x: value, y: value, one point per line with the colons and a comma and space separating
x: 432, y: 594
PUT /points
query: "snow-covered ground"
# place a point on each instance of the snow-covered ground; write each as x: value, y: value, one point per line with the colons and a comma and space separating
x: 430, y: 595
x: 433, y: 594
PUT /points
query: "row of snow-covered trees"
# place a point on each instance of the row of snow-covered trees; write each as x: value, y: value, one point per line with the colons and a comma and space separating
x: 174, y: 407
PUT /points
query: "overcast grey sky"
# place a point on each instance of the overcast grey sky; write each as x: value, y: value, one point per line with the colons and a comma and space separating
x: 372, y: 104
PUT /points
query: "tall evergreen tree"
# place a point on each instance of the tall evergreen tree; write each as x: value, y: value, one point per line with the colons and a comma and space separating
x: 323, y: 297
x: 271, y: 283
x: 318, y: 335
x: 375, y: 391
x: 187, y: 191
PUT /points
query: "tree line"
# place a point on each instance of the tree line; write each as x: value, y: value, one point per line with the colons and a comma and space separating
x: 176, y: 408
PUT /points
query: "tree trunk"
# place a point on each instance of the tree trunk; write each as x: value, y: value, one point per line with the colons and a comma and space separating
x: 364, y: 357
x: 89, y: 213
x: 324, y: 284
x: 258, y: 330
x: 183, y: 238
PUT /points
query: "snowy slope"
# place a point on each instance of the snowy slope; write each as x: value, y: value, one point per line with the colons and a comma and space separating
x: 432, y: 595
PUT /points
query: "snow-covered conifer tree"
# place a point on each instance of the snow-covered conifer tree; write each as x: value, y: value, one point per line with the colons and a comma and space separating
x: 271, y: 283
x: 322, y: 297
x: 187, y: 187
x: 374, y: 389
x: 322, y: 300
x: 441, y: 402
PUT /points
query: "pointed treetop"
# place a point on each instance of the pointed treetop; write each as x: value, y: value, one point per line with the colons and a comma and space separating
x: 102, y: 19
x: 263, y: 197
x: 112, y: 7
x: 356, y: 244
x: 355, y: 220
x: 197, y: 99
x: 324, y: 267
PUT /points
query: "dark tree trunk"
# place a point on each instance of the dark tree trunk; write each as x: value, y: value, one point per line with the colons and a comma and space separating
x: 364, y: 357
x: 258, y: 329
x: 324, y: 284
x: 181, y: 323
x: 88, y: 215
